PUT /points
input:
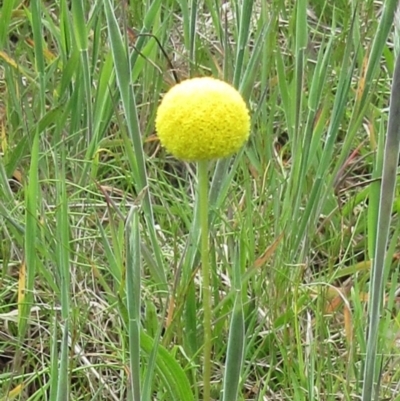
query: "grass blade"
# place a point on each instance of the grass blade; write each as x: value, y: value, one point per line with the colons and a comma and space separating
x: 390, y: 163
x: 133, y: 291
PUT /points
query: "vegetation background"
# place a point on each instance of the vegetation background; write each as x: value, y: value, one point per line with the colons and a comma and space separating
x: 99, y: 287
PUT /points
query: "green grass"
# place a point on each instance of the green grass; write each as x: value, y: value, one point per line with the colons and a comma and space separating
x: 100, y: 282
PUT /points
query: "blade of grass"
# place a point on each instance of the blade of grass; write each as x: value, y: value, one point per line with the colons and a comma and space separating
x: 63, y: 266
x: 390, y: 163
x: 379, y: 42
x: 152, y: 11
x: 133, y: 292
x: 5, y: 16
x: 374, y: 191
x: 236, y: 339
x: 244, y: 16
x: 63, y: 392
x: 171, y: 373
x: 32, y: 211
x: 300, y: 47
x: 235, y: 352
x: 81, y: 35
x: 63, y: 240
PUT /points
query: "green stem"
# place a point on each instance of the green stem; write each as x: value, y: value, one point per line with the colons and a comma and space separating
x: 203, y: 204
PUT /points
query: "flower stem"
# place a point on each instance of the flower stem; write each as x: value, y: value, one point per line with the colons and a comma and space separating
x: 203, y: 204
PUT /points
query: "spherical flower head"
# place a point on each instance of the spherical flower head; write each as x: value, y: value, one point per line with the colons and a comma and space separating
x: 202, y: 119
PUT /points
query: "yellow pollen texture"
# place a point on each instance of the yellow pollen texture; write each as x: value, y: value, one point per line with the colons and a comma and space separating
x: 202, y: 119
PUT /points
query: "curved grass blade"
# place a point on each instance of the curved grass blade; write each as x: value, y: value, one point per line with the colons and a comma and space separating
x: 170, y: 372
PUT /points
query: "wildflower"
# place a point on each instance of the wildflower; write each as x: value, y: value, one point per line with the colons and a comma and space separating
x: 202, y: 119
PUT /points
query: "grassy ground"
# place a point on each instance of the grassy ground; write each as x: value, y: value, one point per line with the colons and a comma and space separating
x: 95, y: 216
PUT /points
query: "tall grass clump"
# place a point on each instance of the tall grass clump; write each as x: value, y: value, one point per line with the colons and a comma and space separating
x: 129, y: 273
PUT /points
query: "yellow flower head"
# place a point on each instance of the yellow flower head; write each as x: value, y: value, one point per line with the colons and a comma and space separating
x: 202, y: 119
